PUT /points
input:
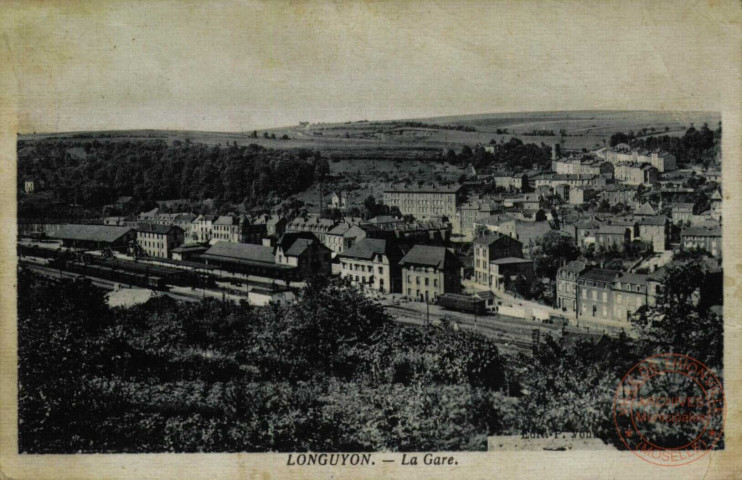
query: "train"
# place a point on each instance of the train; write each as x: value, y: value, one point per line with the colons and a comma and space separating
x: 139, y: 274
x: 462, y: 303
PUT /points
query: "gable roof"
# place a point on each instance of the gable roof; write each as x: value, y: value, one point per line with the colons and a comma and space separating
x: 654, y: 220
x: 612, y: 230
x: 157, y: 228
x: 509, y: 260
x: 701, y: 231
x: 95, y: 233
x: 574, y: 266
x: 366, y: 249
x: 299, y: 246
x: 646, y: 209
x: 600, y: 275
x: 240, y: 251
x: 430, y: 256
x: 492, y: 238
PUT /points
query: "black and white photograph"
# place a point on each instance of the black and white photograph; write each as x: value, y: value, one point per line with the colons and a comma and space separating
x: 372, y: 234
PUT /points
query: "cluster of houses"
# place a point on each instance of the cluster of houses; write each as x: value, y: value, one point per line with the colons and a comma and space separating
x: 457, y: 232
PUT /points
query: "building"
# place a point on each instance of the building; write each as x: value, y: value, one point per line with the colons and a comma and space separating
x: 275, y: 226
x: 373, y: 263
x: 491, y: 247
x: 610, y: 295
x: 618, y: 193
x: 429, y: 271
x: 491, y: 224
x: 227, y: 228
x: 383, y: 221
x: 716, y: 200
x: 318, y: 226
x: 94, y: 236
x: 662, y: 161
x: 705, y: 238
x: 645, y: 210
x: 343, y: 236
x: 567, y: 285
x: 612, y: 237
x: 528, y: 234
x: 424, y: 202
x: 580, y: 195
x: 339, y: 200
x: 573, y: 180
x: 471, y: 212
x: 510, y: 181
x: 585, y: 230
x: 682, y: 212
x: 304, y: 252
x: 247, y: 259
x: 202, y: 228
x: 581, y: 166
x: 636, y: 174
x: 655, y: 230
x: 504, y: 271
x: 188, y: 253
x: 159, y: 240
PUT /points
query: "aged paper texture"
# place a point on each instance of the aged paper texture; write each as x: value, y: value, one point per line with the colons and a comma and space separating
x: 415, y: 239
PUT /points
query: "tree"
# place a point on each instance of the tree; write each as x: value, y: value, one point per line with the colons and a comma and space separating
x: 681, y: 320
x: 617, y: 138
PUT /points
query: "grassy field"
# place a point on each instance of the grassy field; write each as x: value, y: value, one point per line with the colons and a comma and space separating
x: 395, y: 139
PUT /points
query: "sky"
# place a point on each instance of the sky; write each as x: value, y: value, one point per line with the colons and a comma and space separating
x: 236, y: 66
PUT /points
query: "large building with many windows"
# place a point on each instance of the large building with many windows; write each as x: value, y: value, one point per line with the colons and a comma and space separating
x: 702, y: 238
x: 373, y: 263
x: 608, y: 295
x: 424, y: 202
x: 567, y: 285
x: 428, y: 272
x: 159, y: 240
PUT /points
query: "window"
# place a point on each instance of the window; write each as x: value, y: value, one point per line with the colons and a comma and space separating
x: 584, y: 294
x: 595, y: 294
x: 417, y: 280
x: 605, y: 296
x: 605, y: 311
x: 426, y: 282
x: 619, y: 298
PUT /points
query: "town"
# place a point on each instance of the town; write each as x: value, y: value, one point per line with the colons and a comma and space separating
x: 577, y: 243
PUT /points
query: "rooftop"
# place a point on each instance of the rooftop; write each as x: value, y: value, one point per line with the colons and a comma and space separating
x: 240, y: 251
x: 702, y: 231
x: 424, y: 188
x: 366, y: 249
x: 574, y: 267
x: 425, y: 255
x: 600, y: 275
x: 157, y: 228
x: 509, y: 260
x: 95, y: 233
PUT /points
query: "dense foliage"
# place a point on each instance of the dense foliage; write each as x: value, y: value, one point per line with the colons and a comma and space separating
x: 327, y: 373
x: 97, y: 172
x: 696, y: 146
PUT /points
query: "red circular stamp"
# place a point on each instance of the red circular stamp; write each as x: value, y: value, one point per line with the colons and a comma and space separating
x: 669, y: 409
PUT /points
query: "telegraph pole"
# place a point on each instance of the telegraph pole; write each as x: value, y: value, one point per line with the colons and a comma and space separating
x: 427, y: 312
